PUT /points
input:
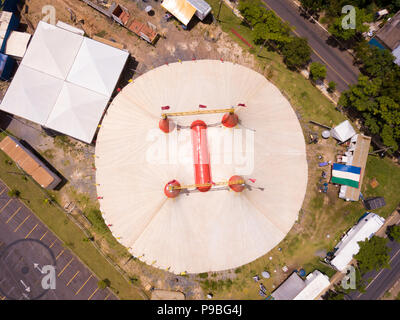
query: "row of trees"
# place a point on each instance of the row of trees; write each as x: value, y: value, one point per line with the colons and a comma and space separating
x: 376, y: 96
x: 269, y: 29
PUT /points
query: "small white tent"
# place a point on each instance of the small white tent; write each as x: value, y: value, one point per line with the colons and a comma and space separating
x: 343, y: 132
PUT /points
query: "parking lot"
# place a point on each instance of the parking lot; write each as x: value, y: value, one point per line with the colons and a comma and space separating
x: 26, y: 247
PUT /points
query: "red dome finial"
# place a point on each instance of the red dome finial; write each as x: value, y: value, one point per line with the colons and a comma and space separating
x: 170, y: 191
x: 166, y: 125
x: 230, y: 120
x: 236, y: 183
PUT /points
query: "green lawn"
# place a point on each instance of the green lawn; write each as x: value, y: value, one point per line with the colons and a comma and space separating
x: 72, y: 236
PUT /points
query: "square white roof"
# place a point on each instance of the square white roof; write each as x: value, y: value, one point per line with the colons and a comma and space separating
x: 97, y: 67
x: 65, y: 81
x: 52, y: 50
x: 31, y: 95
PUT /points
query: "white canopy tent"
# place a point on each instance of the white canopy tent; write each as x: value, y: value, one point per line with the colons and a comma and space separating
x: 343, y: 132
x: 64, y: 81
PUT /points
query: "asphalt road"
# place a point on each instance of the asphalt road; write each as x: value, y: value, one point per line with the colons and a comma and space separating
x: 339, y: 63
x: 382, y: 280
x: 26, y: 247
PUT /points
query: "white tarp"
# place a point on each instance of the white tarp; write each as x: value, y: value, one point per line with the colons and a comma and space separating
x: 348, y: 246
x: 64, y: 81
x: 52, y: 50
x: 97, y: 67
x: 25, y: 97
x: 77, y: 112
x: 343, y: 132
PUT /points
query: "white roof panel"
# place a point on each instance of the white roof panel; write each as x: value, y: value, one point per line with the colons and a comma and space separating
x: 343, y: 132
x: 52, y: 50
x: 315, y: 284
x: 17, y: 43
x: 348, y: 246
x: 31, y: 95
x: 97, y: 67
x: 77, y: 112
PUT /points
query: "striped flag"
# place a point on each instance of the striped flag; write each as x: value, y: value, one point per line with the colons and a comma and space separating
x: 347, y: 175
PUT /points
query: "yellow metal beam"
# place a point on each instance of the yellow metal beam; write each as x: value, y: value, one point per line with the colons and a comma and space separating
x: 189, y: 113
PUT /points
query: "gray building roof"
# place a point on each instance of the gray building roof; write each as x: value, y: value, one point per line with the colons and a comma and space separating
x: 389, y: 34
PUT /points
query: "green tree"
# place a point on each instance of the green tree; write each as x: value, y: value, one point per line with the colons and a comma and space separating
x: 317, y: 71
x: 103, y: 284
x: 394, y: 232
x: 373, y: 254
x: 331, y: 86
x: 14, y: 193
x: 337, y: 30
x: 312, y: 5
x: 296, y: 53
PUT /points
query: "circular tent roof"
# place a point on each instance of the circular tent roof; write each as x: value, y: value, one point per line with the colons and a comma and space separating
x: 200, y: 231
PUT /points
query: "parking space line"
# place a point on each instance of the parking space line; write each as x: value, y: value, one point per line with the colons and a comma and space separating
x: 21, y: 223
x: 12, y: 216
x: 61, y: 272
x: 72, y: 278
x: 60, y: 254
x: 52, y: 244
x: 31, y: 231
x: 94, y: 292
x: 8, y: 202
x: 84, y: 284
x: 107, y: 296
x: 2, y: 191
x: 43, y: 236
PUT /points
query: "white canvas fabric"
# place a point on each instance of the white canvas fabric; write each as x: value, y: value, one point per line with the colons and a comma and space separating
x: 52, y: 50
x: 31, y: 95
x: 77, y: 112
x: 211, y: 231
x: 343, y: 132
x: 97, y: 67
x: 87, y: 71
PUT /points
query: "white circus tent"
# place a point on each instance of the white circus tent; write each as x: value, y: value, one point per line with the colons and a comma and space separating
x: 200, y: 231
x: 65, y: 81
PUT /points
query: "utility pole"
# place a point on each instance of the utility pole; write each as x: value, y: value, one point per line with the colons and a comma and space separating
x: 219, y: 9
